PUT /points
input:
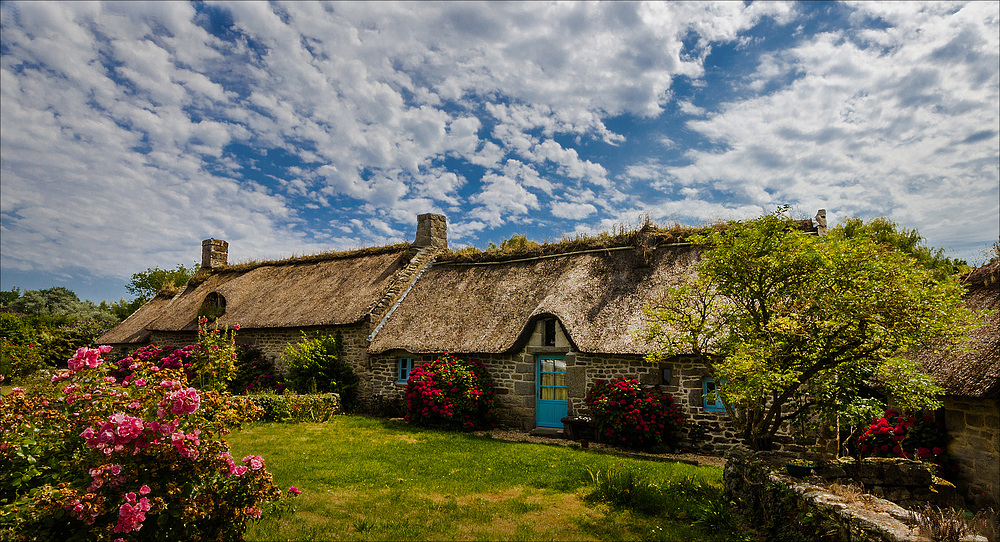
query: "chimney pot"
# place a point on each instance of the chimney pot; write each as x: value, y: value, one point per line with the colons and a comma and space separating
x: 432, y: 231
x: 214, y: 253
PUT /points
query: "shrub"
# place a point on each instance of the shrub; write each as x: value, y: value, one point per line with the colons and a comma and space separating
x: 19, y: 360
x: 55, y: 338
x: 314, y: 365
x: 213, y: 365
x: 15, y: 329
x: 296, y: 408
x: 896, y: 435
x: 98, y: 459
x: 450, y: 393
x: 631, y: 415
x: 255, y: 372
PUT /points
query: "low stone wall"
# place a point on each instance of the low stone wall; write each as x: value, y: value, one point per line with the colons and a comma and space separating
x: 905, y: 482
x: 778, y: 504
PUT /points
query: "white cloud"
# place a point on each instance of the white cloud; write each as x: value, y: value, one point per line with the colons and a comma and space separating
x: 905, y: 129
x: 572, y: 211
x: 119, y: 121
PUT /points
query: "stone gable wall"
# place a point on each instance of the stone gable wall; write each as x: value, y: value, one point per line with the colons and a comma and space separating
x: 974, y: 426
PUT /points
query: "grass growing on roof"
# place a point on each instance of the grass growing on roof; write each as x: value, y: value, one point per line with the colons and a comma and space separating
x: 519, y: 247
x: 369, y: 479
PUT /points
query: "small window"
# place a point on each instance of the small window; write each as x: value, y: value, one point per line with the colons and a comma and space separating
x: 213, y: 307
x: 549, y: 333
x: 710, y: 398
x: 403, y: 368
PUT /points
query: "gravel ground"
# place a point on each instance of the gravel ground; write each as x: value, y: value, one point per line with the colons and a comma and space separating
x: 522, y: 436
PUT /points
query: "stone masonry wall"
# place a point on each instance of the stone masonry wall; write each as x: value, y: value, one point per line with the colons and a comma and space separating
x: 514, y: 375
x: 974, y: 425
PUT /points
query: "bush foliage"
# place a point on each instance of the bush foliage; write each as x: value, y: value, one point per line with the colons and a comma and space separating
x: 98, y: 458
x: 450, y: 393
x: 296, y: 408
x: 314, y: 366
x: 897, y: 435
x: 631, y: 415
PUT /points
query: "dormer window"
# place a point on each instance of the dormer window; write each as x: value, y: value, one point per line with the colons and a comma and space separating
x: 549, y: 332
x: 213, y: 307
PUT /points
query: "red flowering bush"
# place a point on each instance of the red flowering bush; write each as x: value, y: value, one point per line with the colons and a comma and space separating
x: 95, y: 458
x: 631, y: 415
x: 896, y: 435
x: 452, y: 393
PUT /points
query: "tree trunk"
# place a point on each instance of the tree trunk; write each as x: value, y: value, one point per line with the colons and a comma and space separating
x: 760, y: 444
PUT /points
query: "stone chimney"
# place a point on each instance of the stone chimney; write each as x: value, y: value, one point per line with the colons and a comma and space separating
x: 214, y: 253
x: 432, y: 231
x: 820, y: 221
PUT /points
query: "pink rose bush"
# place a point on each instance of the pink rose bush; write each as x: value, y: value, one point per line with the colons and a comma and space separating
x: 451, y: 393
x: 631, y: 415
x: 106, y: 458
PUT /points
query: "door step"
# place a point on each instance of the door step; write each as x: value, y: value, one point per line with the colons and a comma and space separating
x: 550, y: 432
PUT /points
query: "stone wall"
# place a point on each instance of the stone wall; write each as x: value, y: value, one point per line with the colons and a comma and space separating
x: 514, y: 375
x: 974, y: 426
x: 777, y: 504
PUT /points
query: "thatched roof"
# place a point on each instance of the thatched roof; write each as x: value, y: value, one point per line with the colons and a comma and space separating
x: 302, y: 292
x: 321, y: 293
x: 133, y: 330
x: 489, y: 308
x: 973, y: 369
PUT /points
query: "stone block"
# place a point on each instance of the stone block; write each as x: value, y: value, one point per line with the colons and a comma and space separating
x: 524, y: 368
x: 954, y: 421
x: 576, y: 381
x: 524, y: 388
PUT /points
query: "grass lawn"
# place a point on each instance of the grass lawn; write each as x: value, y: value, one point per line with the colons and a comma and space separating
x: 370, y: 479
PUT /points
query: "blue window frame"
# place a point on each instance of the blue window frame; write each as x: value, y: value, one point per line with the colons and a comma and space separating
x: 403, y: 368
x: 710, y: 399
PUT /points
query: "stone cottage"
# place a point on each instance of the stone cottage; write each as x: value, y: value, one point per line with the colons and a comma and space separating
x: 342, y: 293
x: 970, y: 375
x: 547, y: 323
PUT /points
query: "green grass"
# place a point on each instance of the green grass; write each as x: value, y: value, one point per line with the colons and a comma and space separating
x: 370, y: 479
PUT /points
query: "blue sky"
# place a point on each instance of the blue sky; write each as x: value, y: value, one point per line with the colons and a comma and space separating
x: 129, y: 132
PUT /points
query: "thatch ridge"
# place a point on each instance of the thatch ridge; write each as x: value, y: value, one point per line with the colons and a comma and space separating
x: 598, y: 297
x: 243, y: 267
x: 647, y: 235
x: 643, y: 239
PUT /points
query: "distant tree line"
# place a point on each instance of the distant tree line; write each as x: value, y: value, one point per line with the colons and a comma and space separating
x: 43, y: 328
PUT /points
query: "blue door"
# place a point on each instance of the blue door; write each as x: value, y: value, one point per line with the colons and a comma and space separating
x: 550, y: 407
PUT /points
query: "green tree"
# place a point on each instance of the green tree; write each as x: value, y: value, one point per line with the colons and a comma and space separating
x: 146, y: 284
x: 795, y: 324
x: 56, y: 301
x: 908, y: 241
x: 9, y: 296
x: 314, y: 365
